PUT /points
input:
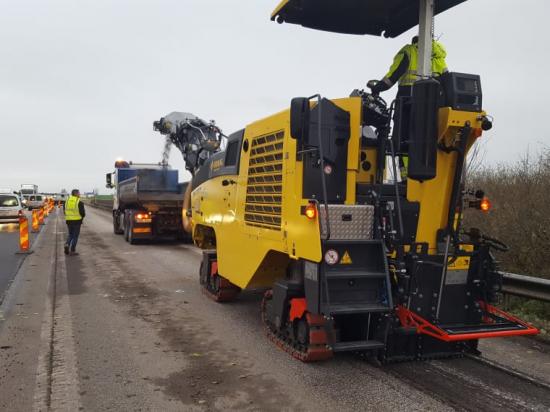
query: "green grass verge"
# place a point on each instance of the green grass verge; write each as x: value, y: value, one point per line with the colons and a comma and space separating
x: 104, y: 197
x: 532, y: 311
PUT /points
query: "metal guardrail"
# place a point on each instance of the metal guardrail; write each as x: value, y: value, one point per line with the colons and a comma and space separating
x: 526, y: 286
x: 100, y: 204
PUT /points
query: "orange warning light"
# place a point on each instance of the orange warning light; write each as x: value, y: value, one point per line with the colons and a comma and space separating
x: 485, y: 204
x: 311, y: 211
x: 143, y: 217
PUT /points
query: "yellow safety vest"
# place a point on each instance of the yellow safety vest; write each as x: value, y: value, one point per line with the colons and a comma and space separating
x: 439, y: 66
x: 71, y: 209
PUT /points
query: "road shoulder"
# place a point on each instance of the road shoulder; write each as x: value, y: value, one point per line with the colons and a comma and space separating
x: 25, y: 313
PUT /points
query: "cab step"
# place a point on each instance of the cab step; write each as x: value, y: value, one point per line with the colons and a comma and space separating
x: 480, y: 328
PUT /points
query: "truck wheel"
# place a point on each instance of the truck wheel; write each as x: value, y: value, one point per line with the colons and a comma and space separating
x: 116, y: 224
x: 126, y: 233
x: 130, y: 226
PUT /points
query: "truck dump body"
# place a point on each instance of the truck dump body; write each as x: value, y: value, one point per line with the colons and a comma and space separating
x: 148, y: 202
x: 156, y: 188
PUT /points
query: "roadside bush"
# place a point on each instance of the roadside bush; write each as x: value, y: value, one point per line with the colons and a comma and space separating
x: 520, y: 195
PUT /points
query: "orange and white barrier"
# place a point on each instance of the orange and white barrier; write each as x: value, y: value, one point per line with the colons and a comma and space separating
x: 35, y: 222
x: 41, y: 216
x: 24, y: 243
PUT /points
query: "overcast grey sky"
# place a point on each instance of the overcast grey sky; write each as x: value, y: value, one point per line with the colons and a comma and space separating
x: 81, y: 81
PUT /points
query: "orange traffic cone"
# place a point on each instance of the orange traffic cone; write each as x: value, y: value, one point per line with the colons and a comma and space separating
x: 40, y: 216
x: 35, y: 223
x: 24, y: 243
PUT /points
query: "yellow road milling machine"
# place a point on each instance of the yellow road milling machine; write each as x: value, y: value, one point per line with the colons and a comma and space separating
x: 314, y: 204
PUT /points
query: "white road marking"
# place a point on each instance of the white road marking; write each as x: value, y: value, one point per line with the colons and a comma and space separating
x: 57, y: 385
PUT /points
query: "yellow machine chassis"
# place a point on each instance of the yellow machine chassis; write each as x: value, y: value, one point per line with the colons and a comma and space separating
x: 256, y: 239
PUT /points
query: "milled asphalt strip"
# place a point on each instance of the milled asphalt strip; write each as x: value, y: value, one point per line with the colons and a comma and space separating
x: 57, y: 373
x: 512, y: 372
x: 44, y: 367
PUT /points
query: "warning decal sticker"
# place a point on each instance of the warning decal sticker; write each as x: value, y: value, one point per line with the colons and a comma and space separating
x: 346, y: 259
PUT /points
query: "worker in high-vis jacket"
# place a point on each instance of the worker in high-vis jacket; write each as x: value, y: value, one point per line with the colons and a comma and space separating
x: 404, y: 69
x: 74, y: 215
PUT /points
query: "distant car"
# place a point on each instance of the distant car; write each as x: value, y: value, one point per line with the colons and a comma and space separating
x: 10, y: 208
x: 35, y: 201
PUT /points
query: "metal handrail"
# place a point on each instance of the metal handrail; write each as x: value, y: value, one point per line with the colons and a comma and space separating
x: 529, y: 287
x: 322, y: 161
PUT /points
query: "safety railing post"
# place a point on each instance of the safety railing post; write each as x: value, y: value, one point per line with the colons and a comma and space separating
x: 35, y: 222
x: 24, y: 241
x: 41, y: 216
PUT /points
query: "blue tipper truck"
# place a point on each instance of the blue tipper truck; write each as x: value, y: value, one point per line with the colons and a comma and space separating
x: 147, y: 202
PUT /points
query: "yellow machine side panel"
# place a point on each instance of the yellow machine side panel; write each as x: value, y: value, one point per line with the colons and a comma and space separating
x: 253, y: 233
x: 260, y: 226
x: 367, y: 176
x: 207, y: 201
x: 434, y: 195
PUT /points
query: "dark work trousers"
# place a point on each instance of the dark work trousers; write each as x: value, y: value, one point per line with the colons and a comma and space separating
x: 74, y: 231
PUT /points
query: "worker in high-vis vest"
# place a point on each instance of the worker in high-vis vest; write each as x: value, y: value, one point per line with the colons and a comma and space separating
x: 74, y: 215
x: 404, y: 68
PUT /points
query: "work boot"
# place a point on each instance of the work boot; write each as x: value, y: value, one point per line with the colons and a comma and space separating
x: 74, y: 253
x: 66, y: 249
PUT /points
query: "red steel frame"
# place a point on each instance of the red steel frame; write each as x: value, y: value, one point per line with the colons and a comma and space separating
x: 411, y: 319
x: 298, y: 306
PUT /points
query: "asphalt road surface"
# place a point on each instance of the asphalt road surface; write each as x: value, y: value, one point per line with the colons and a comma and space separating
x: 126, y: 328
x: 9, y: 259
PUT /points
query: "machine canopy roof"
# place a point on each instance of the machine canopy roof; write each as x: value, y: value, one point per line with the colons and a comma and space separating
x: 389, y: 18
